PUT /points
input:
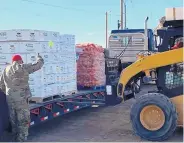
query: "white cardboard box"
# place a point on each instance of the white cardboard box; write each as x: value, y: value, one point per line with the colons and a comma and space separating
x: 44, y: 80
x: 34, y: 90
x: 23, y: 34
x: 57, y: 68
x: 44, y: 35
x: 56, y: 57
x: 47, y: 57
x: 28, y: 35
x: 174, y: 13
x: 58, y: 88
x: 57, y: 47
x: 5, y: 58
x: 30, y: 47
x: 41, y: 91
x: 44, y: 47
x: 44, y: 70
x: 34, y: 47
x: 62, y: 78
x: 57, y: 78
x: 9, y: 47
x: 52, y: 49
x: 51, y: 79
x: 31, y: 58
x: 34, y: 80
x: 44, y: 91
x: 2, y: 67
x: 49, y: 90
x: 73, y: 85
x: 62, y: 88
x: 55, y: 36
x: 48, y: 36
x: 4, y: 35
x: 51, y: 68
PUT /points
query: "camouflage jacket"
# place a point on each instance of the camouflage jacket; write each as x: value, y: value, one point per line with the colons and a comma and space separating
x: 15, y: 77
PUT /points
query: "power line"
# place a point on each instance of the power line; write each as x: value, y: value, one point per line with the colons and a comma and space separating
x: 66, y: 8
x: 14, y: 10
x: 61, y: 7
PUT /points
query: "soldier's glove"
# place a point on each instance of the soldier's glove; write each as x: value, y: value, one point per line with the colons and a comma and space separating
x: 39, y: 57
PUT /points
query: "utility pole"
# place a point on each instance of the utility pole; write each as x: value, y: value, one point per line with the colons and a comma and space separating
x: 121, y: 10
x: 106, y: 31
x: 119, y: 25
x: 125, y: 17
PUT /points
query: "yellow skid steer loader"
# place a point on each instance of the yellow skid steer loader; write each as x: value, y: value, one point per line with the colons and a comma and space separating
x: 155, y: 115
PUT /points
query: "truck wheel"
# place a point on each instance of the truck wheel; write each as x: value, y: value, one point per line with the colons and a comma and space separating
x: 153, y: 117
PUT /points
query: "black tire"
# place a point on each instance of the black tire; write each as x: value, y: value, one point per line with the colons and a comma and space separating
x: 170, y: 117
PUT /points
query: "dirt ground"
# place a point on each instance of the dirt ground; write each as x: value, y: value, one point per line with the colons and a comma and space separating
x: 107, y: 124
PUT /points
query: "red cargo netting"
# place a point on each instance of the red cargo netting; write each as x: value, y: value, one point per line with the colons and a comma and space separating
x: 91, y: 66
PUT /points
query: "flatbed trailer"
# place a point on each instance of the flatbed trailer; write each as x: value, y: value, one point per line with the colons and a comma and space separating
x: 41, y: 112
x: 44, y: 111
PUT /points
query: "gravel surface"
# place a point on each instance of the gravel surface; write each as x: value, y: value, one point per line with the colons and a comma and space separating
x: 108, y: 124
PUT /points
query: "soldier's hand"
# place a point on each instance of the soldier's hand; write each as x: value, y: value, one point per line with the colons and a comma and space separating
x: 39, y: 56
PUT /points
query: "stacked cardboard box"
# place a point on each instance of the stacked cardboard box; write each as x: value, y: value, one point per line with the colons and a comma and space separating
x: 58, y: 75
x: 175, y: 13
x: 91, y: 66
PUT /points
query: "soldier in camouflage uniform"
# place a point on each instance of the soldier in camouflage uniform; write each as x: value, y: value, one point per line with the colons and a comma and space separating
x: 14, y: 82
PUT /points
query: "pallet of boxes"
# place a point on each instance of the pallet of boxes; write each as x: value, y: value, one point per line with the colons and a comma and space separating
x: 57, y: 78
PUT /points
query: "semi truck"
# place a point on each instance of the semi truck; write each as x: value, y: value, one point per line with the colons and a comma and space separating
x: 128, y: 44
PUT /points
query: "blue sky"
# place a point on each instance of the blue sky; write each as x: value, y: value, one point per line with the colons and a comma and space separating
x: 84, y: 18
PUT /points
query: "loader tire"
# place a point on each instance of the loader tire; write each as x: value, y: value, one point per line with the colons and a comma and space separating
x: 153, y: 117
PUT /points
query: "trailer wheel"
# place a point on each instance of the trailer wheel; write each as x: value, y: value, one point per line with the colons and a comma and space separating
x: 153, y: 117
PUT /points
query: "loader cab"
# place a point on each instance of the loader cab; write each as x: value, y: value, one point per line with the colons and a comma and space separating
x: 170, y: 78
x: 166, y: 36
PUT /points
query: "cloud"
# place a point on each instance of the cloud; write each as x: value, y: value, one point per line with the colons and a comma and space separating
x: 91, y: 33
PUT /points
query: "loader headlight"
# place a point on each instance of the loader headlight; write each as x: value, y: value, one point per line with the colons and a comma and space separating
x: 119, y: 89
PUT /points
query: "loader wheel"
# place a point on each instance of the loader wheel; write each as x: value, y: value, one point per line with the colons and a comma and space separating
x: 153, y: 117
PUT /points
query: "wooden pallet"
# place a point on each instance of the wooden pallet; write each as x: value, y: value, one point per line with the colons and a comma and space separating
x: 79, y: 87
x: 69, y: 93
x: 44, y: 99
x: 50, y: 98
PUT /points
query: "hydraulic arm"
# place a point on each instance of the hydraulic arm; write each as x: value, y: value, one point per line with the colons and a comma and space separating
x: 146, y: 63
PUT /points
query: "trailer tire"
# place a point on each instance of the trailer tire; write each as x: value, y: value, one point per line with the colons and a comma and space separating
x: 165, y: 107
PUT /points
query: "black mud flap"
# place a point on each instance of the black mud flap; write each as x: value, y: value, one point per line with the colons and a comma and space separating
x: 4, y: 114
x: 129, y: 96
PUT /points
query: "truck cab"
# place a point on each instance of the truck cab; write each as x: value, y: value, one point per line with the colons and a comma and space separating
x: 126, y: 44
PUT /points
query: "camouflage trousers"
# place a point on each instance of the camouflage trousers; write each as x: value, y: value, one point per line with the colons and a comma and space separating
x: 19, y: 118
